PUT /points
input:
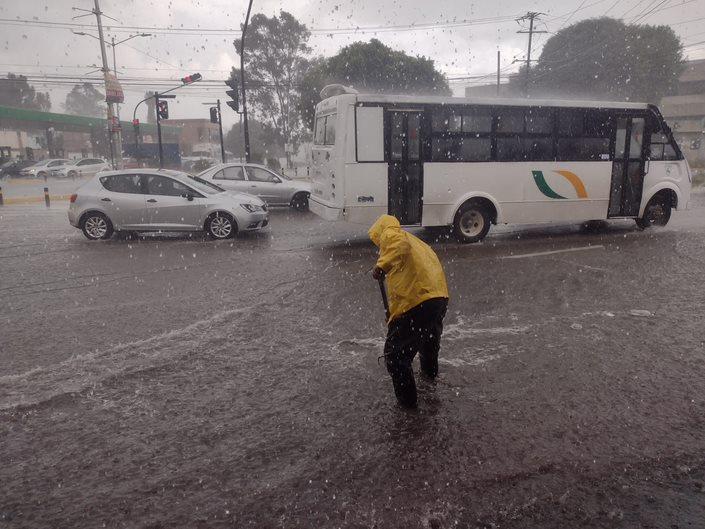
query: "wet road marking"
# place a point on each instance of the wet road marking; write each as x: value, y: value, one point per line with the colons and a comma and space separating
x: 537, y: 254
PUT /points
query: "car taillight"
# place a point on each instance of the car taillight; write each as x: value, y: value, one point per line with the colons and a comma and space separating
x: 73, y: 198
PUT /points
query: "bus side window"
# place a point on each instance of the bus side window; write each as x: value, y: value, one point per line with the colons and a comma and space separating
x: 510, y: 120
x: 661, y: 147
x: 330, y: 129
x: 583, y: 135
x: 320, y: 134
x: 370, y: 134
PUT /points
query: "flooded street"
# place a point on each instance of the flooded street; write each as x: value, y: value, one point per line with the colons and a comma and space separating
x: 174, y: 381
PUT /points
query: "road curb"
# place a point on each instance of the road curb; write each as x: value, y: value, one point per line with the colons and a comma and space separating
x: 33, y: 200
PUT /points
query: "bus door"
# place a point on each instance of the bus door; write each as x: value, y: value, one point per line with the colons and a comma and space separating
x: 628, y: 167
x: 405, y: 176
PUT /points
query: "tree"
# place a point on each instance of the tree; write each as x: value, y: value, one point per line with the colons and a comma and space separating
x: 264, y: 142
x: 85, y: 100
x: 371, y: 67
x: 275, y: 59
x: 15, y: 91
x: 605, y: 58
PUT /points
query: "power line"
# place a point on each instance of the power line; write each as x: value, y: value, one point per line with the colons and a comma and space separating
x: 230, y: 31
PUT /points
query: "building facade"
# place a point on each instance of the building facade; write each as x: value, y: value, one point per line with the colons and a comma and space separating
x: 685, y: 112
x: 33, y: 134
x: 198, y: 138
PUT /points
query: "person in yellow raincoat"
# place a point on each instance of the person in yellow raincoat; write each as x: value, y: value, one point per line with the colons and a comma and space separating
x: 418, y: 299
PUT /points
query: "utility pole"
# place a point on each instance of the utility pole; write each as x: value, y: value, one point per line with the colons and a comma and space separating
x: 530, y: 16
x: 498, y: 81
x: 117, y: 107
x: 115, y: 135
x: 242, y: 80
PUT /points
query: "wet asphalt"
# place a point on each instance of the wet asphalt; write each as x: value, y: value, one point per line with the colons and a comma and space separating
x: 173, y: 381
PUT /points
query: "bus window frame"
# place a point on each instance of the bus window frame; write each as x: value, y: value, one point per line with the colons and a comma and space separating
x: 324, y: 118
x: 428, y: 134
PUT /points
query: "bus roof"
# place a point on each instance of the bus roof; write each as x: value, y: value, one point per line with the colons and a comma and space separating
x: 439, y: 100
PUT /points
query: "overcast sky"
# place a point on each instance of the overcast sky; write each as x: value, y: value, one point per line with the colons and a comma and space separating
x: 196, y: 36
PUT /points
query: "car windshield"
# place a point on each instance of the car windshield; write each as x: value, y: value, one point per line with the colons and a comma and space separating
x: 203, y: 186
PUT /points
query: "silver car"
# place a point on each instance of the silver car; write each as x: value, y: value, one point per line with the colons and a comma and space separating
x: 83, y: 168
x: 161, y: 200
x: 275, y: 189
x: 43, y: 168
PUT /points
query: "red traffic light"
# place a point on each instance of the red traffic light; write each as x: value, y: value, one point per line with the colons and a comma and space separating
x: 162, y: 110
x: 191, y: 78
x: 136, y: 122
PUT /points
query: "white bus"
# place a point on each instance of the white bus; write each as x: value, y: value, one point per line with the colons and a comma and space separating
x: 468, y: 163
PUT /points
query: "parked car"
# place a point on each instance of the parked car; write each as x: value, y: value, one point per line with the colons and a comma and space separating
x: 275, y: 189
x: 82, y: 167
x: 43, y: 168
x: 162, y: 200
x: 13, y: 167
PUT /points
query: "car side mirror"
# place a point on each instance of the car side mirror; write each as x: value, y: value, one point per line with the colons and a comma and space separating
x: 188, y: 196
x: 277, y: 180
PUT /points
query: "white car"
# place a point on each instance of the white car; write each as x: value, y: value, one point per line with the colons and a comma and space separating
x: 275, y: 189
x: 81, y: 168
x: 43, y: 168
x: 134, y: 200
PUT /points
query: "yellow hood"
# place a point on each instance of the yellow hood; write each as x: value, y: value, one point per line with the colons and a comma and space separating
x: 381, y: 224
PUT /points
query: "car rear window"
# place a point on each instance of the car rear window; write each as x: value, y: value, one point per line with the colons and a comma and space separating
x: 122, y: 183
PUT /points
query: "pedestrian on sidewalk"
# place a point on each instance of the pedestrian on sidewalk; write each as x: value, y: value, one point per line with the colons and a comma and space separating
x: 418, y: 299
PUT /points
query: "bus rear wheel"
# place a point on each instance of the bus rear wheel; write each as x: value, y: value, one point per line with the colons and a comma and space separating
x: 472, y: 222
x: 656, y: 213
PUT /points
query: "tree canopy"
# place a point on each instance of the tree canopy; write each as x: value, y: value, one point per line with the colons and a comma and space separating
x: 276, y: 50
x: 607, y: 59
x: 264, y: 142
x: 371, y: 67
x: 15, y: 91
x: 85, y: 100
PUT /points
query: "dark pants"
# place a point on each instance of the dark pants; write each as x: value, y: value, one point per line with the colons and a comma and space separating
x: 416, y: 331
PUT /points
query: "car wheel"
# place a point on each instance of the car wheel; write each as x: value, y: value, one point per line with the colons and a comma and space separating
x: 472, y: 222
x: 72, y: 174
x: 96, y: 226
x: 41, y: 174
x: 221, y: 226
x: 656, y: 213
x: 300, y: 202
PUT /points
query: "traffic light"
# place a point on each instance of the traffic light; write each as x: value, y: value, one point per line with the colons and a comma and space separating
x: 163, y: 109
x: 191, y: 78
x: 214, y: 115
x: 233, y: 95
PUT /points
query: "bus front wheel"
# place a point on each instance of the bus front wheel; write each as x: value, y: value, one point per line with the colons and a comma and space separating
x: 472, y: 222
x: 656, y: 213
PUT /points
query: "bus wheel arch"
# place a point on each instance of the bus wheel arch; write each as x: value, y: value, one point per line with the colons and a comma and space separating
x: 473, y: 219
x: 657, y: 211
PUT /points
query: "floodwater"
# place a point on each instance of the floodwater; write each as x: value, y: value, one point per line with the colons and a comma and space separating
x: 180, y: 382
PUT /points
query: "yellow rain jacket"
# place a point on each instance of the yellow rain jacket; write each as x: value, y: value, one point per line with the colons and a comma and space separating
x: 414, y: 273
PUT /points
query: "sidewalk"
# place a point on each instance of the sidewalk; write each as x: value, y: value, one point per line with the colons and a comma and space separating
x: 31, y: 190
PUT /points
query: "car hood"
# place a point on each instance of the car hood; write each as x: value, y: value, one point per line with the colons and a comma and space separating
x: 240, y: 197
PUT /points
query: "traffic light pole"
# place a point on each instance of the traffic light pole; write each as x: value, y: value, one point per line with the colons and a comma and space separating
x: 220, y: 128
x: 159, y: 131
x: 185, y: 81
